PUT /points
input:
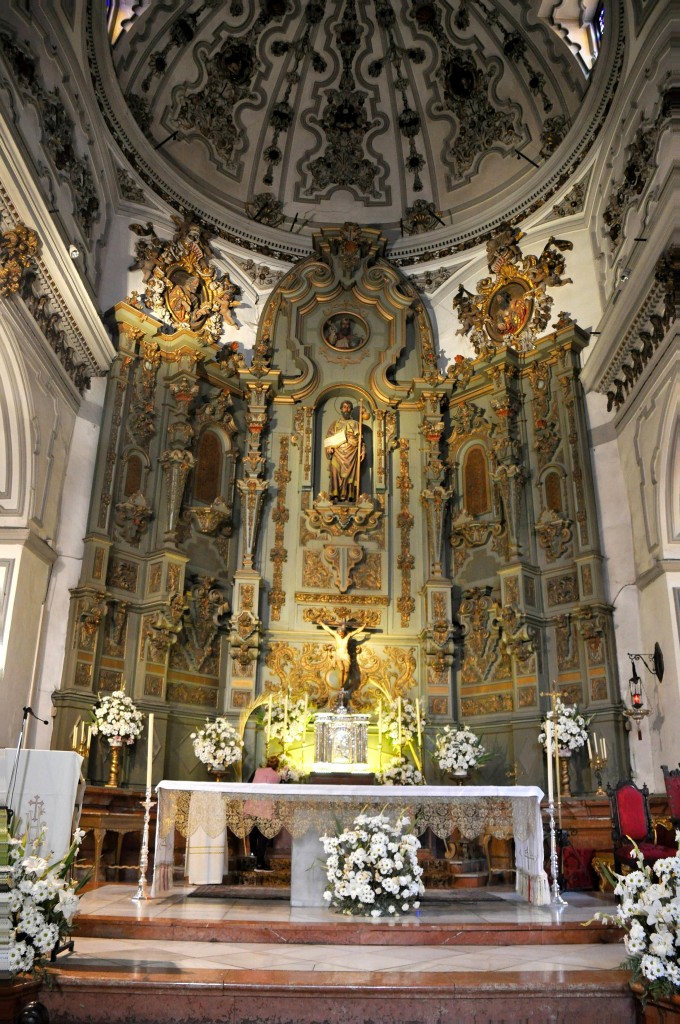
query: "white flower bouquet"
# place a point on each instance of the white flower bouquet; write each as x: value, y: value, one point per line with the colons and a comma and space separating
x: 217, y: 743
x: 408, y: 715
x: 117, y: 718
x: 287, y: 723
x: 288, y: 771
x: 572, y: 727
x: 42, y: 903
x: 649, y: 913
x: 458, y: 749
x: 372, y: 868
x: 400, y: 772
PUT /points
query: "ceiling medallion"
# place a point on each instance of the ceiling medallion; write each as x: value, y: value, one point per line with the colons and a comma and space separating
x: 511, y: 308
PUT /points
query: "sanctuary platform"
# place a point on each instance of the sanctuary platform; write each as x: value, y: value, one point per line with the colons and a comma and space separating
x: 484, y: 956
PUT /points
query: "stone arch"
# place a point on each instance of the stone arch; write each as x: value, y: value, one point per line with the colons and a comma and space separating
x: 16, y: 460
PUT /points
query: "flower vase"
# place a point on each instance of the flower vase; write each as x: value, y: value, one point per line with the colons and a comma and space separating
x: 460, y: 777
x: 116, y: 743
x: 217, y: 771
x: 565, y: 789
x: 656, y: 1011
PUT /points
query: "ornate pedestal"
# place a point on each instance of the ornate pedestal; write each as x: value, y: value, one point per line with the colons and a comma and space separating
x: 341, y: 738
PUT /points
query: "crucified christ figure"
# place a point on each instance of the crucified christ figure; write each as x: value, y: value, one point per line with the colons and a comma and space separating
x: 342, y: 633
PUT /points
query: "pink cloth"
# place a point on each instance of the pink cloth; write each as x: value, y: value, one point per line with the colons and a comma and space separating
x: 259, y: 807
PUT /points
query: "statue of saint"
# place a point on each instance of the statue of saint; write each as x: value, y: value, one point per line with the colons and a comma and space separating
x: 345, y: 450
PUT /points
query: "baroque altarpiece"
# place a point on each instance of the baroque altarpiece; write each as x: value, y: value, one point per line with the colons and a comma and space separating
x: 343, y: 480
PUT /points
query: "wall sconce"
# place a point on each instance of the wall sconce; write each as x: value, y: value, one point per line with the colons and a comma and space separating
x: 636, y: 712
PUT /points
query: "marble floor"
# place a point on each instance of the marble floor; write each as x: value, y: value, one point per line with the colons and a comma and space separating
x: 163, y: 955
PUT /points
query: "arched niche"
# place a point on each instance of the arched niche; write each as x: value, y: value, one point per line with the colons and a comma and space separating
x: 329, y: 424
x: 213, y: 471
x: 476, y: 482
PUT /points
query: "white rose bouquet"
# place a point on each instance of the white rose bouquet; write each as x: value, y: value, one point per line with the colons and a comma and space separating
x: 649, y: 913
x: 458, y: 749
x: 42, y: 903
x: 217, y: 743
x: 373, y: 869
x: 572, y: 727
x: 116, y: 717
x: 400, y: 772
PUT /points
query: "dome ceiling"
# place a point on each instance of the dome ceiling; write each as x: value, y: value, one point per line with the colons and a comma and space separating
x: 417, y: 115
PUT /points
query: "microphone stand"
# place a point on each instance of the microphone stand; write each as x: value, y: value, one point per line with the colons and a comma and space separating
x: 13, y: 777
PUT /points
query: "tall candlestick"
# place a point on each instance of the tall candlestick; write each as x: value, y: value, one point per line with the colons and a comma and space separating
x: 149, y: 753
x: 399, y: 721
x: 549, y: 758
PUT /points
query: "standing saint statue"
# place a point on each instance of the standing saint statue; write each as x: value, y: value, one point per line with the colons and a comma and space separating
x: 345, y: 451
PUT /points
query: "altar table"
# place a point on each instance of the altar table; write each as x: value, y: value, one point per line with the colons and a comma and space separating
x: 209, y: 808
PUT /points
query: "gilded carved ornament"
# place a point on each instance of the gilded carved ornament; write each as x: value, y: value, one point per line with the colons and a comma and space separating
x: 554, y: 534
x: 18, y: 250
x: 511, y: 308
x: 133, y: 516
x: 181, y: 288
x: 334, y: 520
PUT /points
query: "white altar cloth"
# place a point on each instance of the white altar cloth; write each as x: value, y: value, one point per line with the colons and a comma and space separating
x: 44, y: 796
x: 502, y: 811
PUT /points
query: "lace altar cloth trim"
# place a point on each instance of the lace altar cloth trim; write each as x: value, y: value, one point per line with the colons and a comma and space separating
x: 470, y: 816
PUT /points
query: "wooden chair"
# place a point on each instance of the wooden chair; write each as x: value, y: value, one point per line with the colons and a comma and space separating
x: 672, y: 783
x: 632, y: 825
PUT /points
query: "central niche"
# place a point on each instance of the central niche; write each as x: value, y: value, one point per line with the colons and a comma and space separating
x: 343, y: 447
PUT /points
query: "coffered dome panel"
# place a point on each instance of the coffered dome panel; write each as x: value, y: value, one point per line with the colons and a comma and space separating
x: 410, y: 113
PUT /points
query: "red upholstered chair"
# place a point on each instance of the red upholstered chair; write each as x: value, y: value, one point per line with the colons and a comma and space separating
x: 631, y: 822
x: 672, y: 782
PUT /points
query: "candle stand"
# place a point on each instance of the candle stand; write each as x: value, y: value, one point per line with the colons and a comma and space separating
x: 142, y: 888
x: 557, y: 898
x: 598, y: 763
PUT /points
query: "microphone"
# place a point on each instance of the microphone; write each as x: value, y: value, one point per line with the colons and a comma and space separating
x: 30, y: 711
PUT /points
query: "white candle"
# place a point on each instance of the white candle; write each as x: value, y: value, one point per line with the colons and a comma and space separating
x: 590, y: 751
x: 74, y: 743
x: 595, y: 744
x: 548, y: 752
x: 89, y: 738
x: 399, y: 722
x: 604, y: 748
x: 418, y: 724
x: 268, y: 731
x: 149, y: 753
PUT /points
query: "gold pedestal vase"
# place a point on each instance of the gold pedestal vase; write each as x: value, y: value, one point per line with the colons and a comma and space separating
x: 116, y: 744
x: 565, y: 789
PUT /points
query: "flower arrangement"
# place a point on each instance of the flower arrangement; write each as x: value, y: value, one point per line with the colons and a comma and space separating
x: 649, y: 913
x: 42, y: 903
x: 458, y: 749
x: 400, y: 772
x: 290, y: 772
x: 286, y: 721
x: 217, y: 743
x: 572, y: 727
x: 372, y: 868
x: 402, y: 722
x: 117, y: 718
